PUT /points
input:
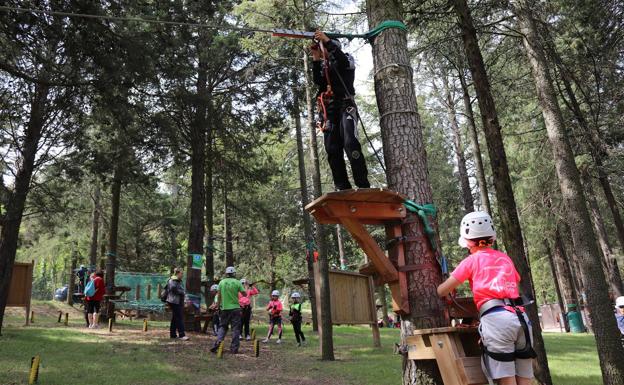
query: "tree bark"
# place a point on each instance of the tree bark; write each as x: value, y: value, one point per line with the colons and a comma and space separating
x: 303, y: 186
x: 14, y: 209
x: 510, y: 223
x: 460, y: 158
x: 324, y: 325
x: 198, y: 161
x: 610, y: 350
x: 609, y: 262
x: 227, y: 231
x: 563, y: 266
x: 555, y: 275
x: 95, y: 224
x: 596, y: 147
x: 406, y: 165
x: 476, y: 148
x: 209, y: 198
x: 71, y: 281
x: 111, y: 254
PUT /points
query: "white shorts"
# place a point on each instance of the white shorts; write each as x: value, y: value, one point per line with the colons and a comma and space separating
x: 501, y: 332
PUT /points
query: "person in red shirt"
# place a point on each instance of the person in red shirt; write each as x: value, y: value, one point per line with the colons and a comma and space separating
x: 505, y: 329
x: 93, y: 302
x: 245, y: 304
x: 275, y: 316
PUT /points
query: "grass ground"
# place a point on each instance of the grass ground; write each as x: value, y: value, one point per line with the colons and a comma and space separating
x: 74, y: 354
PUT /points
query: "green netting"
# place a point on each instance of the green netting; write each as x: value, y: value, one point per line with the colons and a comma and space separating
x: 144, y: 281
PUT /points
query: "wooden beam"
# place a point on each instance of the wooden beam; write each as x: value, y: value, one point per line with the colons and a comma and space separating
x: 375, y: 326
x: 371, y: 248
x: 397, y: 253
x: 376, y: 211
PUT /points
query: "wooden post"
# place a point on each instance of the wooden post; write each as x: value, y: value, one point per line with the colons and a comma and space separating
x: 66, y: 319
x: 145, y: 325
x: 137, y: 293
x: 373, y: 307
x: 110, y: 325
x: 159, y: 290
x: 60, y: 316
x: 148, y: 292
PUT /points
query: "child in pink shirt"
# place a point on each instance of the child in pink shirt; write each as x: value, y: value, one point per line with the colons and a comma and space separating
x: 245, y: 304
x: 275, y: 316
x: 493, y: 276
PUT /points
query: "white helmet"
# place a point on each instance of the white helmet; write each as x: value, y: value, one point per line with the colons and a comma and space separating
x: 477, y: 224
x: 275, y: 293
x: 295, y: 295
x: 230, y: 270
x: 243, y: 281
x: 214, y: 287
x: 619, y: 302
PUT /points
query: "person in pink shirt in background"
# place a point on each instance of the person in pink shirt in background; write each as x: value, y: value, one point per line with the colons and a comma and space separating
x: 275, y: 316
x: 494, y: 281
x: 245, y: 304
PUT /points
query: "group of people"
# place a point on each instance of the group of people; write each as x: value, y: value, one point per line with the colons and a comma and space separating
x: 232, y: 308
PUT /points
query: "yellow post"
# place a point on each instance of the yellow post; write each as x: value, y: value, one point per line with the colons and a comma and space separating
x: 33, y: 376
x: 32, y: 316
x: 145, y: 325
x: 110, y: 325
x: 66, y: 319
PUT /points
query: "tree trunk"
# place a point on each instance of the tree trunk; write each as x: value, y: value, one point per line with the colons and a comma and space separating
x: 510, y: 223
x: 406, y: 165
x: 303, y: 186
x: 198, y: 197
x: 610, y: 350
x: 596, y: 147
x: 95, y: 223
x: 563, y: 266
x: 227, y: 231
x: 476, y: 148
x: 14, y: 208
x: 111, y: 254
x: 325, y: 324
x: 381, y: 292
x: 609, y: 263
x: 341, y: 253
x: 555, y: 275
x: 209, y: 197
x: 71, y: 280
x: 459, y: 149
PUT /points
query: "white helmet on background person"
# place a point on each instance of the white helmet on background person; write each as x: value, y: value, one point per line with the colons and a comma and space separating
x: 295, y: 295
x: 230, y: 270
x: 214, y: 287
x: 619, y: 302
x: 243, y: 281
x: 275, y: 293
x: 477, y: 224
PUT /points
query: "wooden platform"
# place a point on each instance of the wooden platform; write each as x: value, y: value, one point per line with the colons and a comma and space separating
x: 456, y: 351
x: 354, y: 209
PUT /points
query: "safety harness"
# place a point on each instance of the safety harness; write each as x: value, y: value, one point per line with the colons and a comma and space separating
x: 324, y: 97
x: 517, y: 305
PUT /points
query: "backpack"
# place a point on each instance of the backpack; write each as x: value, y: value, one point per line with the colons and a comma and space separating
x: 164, y: 293
x: 90, y: 289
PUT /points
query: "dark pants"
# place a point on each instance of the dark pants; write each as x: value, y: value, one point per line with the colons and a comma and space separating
x: 227, y: 317
x: 298, y: 333
x: 246, y: 319
x: 215, y: 323
x: 177, y: 321
x: 340, y: 136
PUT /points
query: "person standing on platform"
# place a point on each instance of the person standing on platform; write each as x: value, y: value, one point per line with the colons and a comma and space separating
x: 334, y: 72
x: 230, y: 311
x: 275, y: 308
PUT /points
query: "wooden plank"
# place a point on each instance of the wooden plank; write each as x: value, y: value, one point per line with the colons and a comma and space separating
x: 471, y: 367
x: 418, y: 349
x: 398, y: 252
x: 368, y: 269
x: 359, y: 195
x: 371, y: 248
x: 362, y: 210
x: 373, y: 310
x: 448, y: 329
x: 444, y: 350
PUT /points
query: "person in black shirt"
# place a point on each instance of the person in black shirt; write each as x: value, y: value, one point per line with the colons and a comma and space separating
x: 339, y: 121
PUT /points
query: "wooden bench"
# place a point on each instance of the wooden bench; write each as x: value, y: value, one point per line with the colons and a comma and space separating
x: 207, y: 318
x: 456, y: 351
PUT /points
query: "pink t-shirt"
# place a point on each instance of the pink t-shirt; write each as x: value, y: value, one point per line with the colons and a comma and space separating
x: 275, y: 307
x: 246, y: 301
x: 491, y: 275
